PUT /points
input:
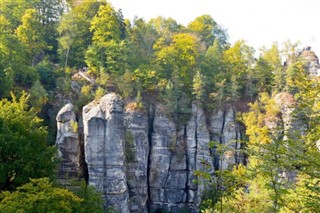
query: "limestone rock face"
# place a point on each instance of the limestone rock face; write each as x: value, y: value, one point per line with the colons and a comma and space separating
x: 177, y: 154
x: 286, y: 103
x: 103, y: 125
x: 199, y: 154
x: 137, y: 153
x: 67, y: 142
x: 169, y: 165
x: 143, y: 162
x: 230, y: 138
x: 311, y: 61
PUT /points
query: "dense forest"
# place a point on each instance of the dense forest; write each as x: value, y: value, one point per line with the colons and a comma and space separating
x: 57, y: 51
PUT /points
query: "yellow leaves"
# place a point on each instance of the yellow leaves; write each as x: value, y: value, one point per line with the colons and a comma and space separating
x: 39, y: 195
x: 31, y: 32
x: 105, y: 25
x: 258, y: 121
x: 5, y: 24
x: 180, y: 55
x: 272, y: 56
x: 196, y: 26
x: 255, y: 130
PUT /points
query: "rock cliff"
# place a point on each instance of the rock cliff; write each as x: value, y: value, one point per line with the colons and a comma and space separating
x: 142, y: 162
x: 103, y: 126
x: 311, y: 61
x: 137, y: 158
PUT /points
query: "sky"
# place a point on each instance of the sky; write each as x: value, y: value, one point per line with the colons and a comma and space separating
x: 258, y: 22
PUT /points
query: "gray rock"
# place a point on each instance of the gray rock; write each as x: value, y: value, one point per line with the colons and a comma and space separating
x: 133, y: 172
x: 103, y: 124
x: 137, y: 151
x: 67, y: 142
x: 310, y: 61
x: 163, y: 139
x: 176, y: 180
x: 229, y: 139
x: 174, y: 196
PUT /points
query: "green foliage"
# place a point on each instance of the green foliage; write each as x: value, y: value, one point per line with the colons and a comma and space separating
x: 198, y: 86
x: 74, y: 126
x: 92, y: 200
x: 13, y: 66
x: 64, y: 85
x: 176, y: 102
x: 38, y: 96
x: 239, y: 59
x: 39, y: 195
x: 47, y: 75
x: 99, y: 93
x: 75, y: 36
x: 146, y: 79
x: 275, y: 153
x: 269, y: 64
x: 179, y: 58
x: 105, y: 25
x: 68, y: 31
x: 108, y: 52
x: 126, y: 84
x: 208, y: 30
x: 142, y: 36
x: 24, y: 153
x: 31, y: 33
x: 294, y: 74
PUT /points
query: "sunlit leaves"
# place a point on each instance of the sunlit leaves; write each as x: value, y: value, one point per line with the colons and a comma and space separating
x: 39, y: 195
x: 24, y: 153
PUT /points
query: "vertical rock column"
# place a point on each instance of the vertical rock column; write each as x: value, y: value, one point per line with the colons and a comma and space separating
x: 137, y: 151
x: 103, y: 124
x: 67, y: 143
x: 163, y: 139
x: 230, y: 139
x: 199, y: 156
x: 225, y: 130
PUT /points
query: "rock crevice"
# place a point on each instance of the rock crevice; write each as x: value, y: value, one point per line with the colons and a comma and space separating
x: 141, y: 162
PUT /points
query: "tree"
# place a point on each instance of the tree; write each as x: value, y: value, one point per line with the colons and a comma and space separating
x: 14, y: 61
x: 269, y: 66
x: 50, y: 12
x: 282, y: 175
x: 239, y: 60
x: 14, y: 10
x: 24, y: 153
x: 75, y: 35
x: 92, y: 199
x: 198, y: 86
x: 108, y: 52
x: 68, y: 31
x: 215, y: 78
x: 105, y: 25
x: 179, y: 58
x: 165, y: 27
x: 142, y: 37
x: 39, y: 195
x: 263, y: 76
x: 208, y: 30
x: 38, y: 96
x: 31, y: 33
